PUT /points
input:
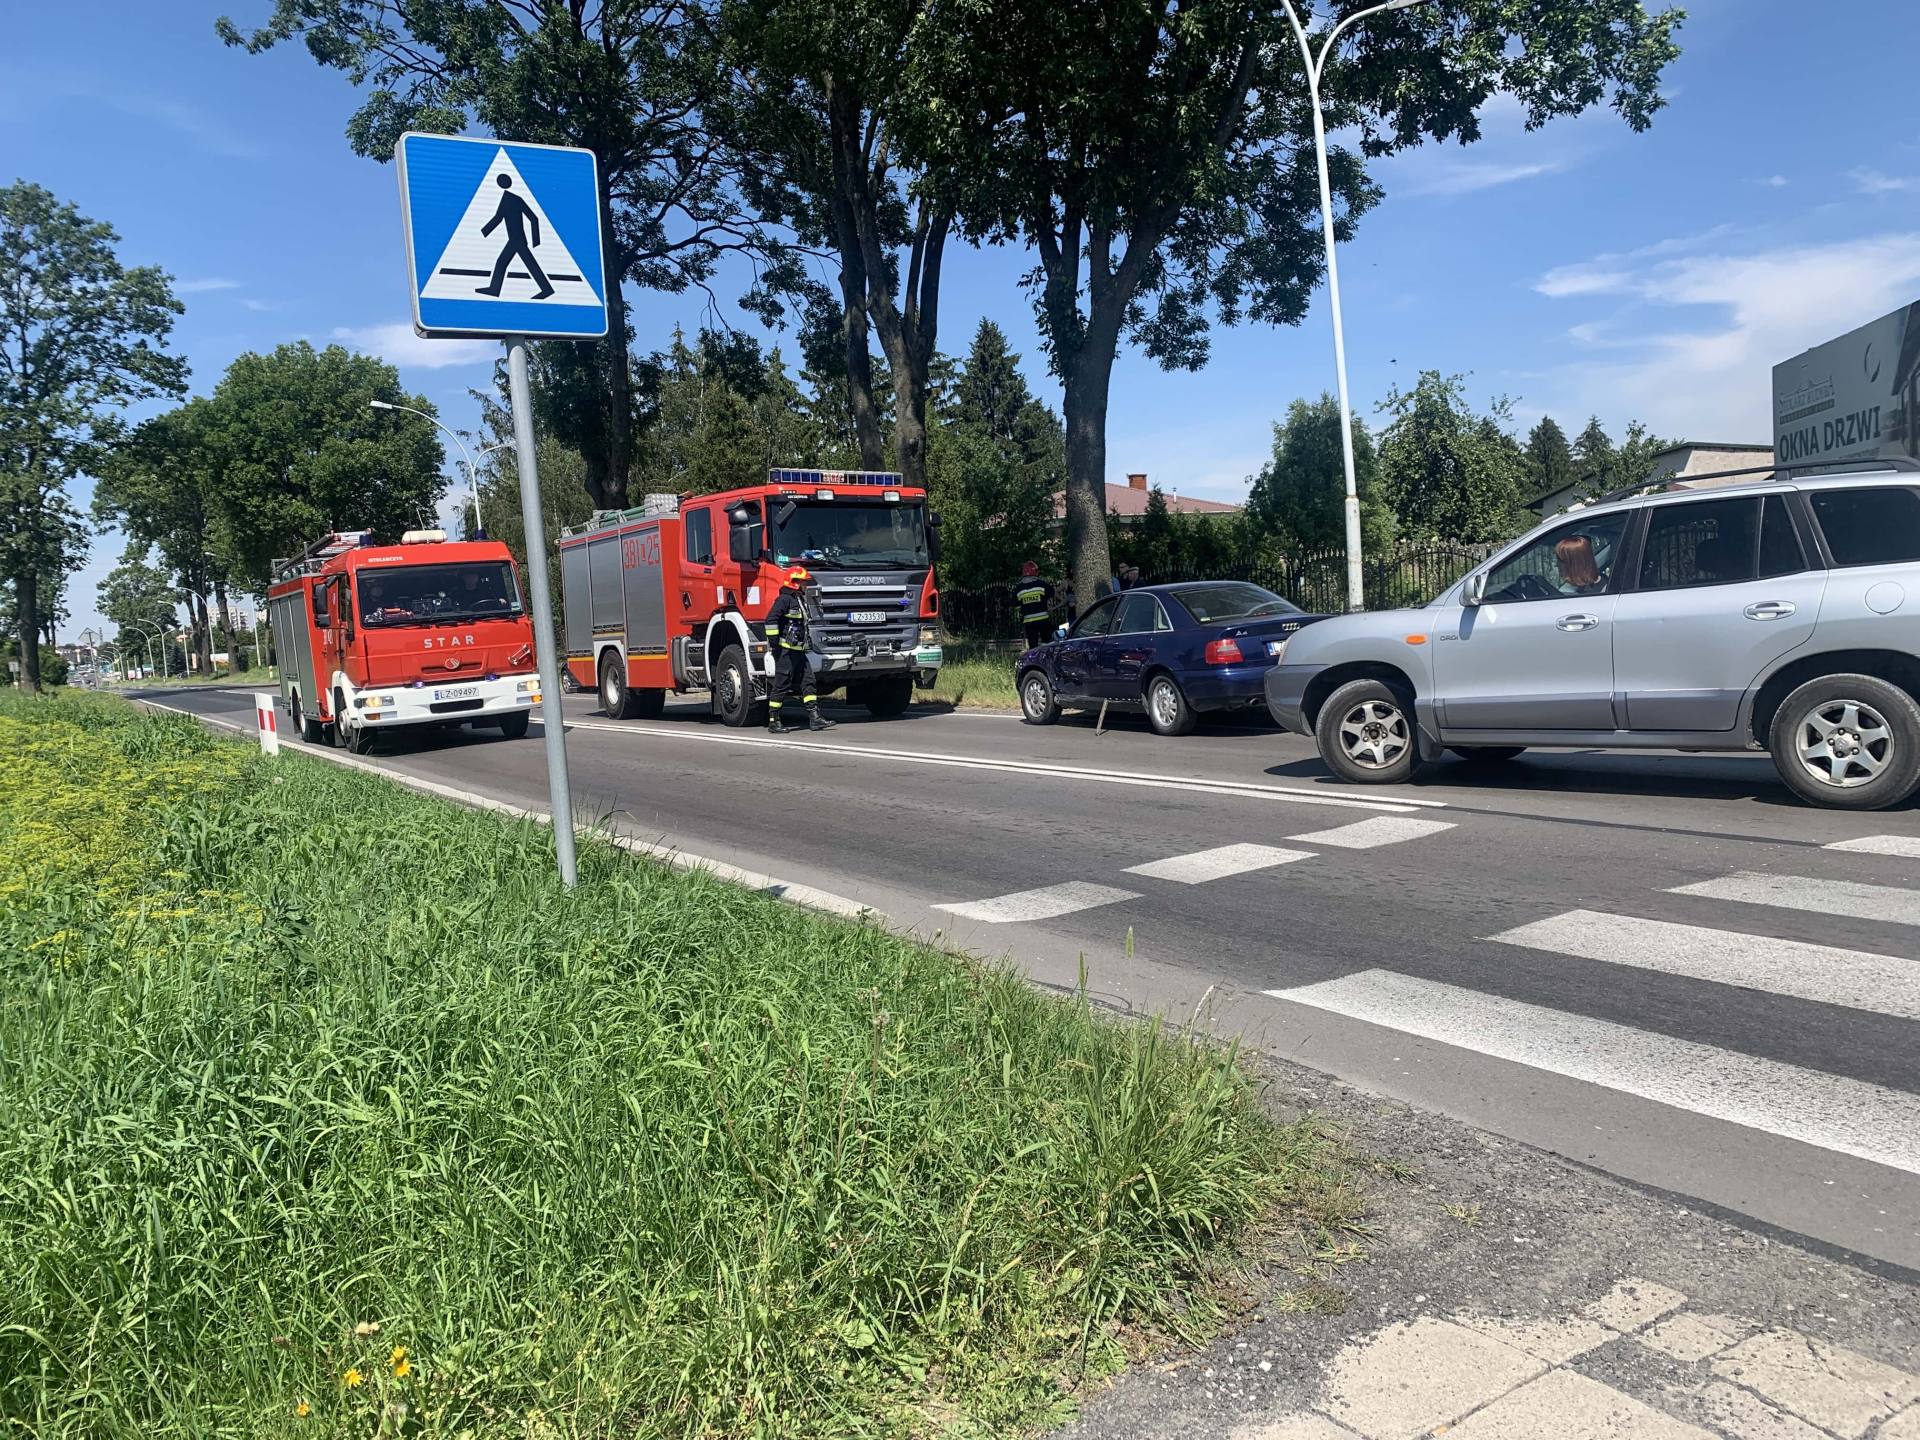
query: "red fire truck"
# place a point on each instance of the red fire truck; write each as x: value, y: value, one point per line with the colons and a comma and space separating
x: 669, y: 595
x: 371, y: 638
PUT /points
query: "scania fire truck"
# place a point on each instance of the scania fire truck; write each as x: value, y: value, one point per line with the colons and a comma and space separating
x: 670, y: 595
x: 429, y: 632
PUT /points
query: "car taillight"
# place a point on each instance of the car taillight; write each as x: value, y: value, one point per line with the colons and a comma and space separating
x: 1224, y: 652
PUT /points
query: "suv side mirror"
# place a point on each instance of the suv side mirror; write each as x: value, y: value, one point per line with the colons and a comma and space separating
x: 1475, y: 590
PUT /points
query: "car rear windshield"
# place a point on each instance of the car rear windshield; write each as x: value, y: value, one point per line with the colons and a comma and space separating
x: 437, y: 594
x: 1877, y: 526
x: 1231, y: 600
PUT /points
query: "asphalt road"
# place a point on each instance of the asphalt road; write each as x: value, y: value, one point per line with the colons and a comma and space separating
x: 1661, y: 965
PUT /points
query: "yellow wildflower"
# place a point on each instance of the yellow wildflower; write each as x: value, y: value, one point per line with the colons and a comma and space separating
x: 399, y: 1354
x: 303, y: 1409
x: 402, y: 1369
x: 353, y: 1379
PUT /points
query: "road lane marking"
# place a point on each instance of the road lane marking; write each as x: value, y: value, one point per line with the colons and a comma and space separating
x: 1243, y: 789
x: 1830, y: 1111
x: 1367, y: 834
x: 1217, y: 864
x: 1857, y: 979
x: 1822, y: 897
x: 1045, y: 903
x: 1906, y: 846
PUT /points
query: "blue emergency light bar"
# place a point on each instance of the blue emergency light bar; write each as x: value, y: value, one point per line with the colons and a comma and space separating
x: 877, y: 478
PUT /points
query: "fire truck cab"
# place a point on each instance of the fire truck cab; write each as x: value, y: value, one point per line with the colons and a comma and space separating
x: 670, y: 595
x: 371, y: 638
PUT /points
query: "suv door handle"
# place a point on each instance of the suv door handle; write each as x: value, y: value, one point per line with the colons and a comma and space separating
x: 1571, y: 623
x: 1769, y: 610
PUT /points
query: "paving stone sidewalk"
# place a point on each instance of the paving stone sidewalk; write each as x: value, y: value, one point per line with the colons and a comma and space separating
x: 1510, y: 1294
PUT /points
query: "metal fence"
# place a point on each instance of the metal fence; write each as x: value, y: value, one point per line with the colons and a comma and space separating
x: 1316, y: 581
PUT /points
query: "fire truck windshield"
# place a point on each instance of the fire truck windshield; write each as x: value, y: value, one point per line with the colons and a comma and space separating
x: 839, y: 534
x: 437, y: 594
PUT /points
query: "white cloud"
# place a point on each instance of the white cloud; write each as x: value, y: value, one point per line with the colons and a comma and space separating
x: 256, y: 306
x: 1775, y: 182
x: 398, y: 345
x: 1713, y: 377
x: 1877, y: 182
x: 200, y: 287
x: 1463, y: 177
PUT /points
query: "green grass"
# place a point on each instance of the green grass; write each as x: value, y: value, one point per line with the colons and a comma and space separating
x: 288, y: 1053
x: 973, y: 675
x: 256, y: 675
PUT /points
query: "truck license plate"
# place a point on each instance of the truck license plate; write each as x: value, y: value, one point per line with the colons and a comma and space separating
x: 867, y: 617
x: 457, y: 692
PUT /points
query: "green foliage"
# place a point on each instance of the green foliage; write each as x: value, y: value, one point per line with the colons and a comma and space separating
x: 133, y: 591
x: 1449, y: 473
x: 283, y: 1096
x: 563, y: 501
x: 1299, y: 496
x: 82, y: 337
x: 53, y: 665
x: 1550, y: 462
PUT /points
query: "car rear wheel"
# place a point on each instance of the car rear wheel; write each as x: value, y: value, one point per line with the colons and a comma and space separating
x: 1849, y: 742
x: 1366, y: 735
x: 732, y: 688
x: 1167, y: 709
x: 1487, y: 754
x: 1038, y: 705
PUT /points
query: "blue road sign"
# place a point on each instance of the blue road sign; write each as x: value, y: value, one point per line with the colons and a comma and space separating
x: 502, y: 238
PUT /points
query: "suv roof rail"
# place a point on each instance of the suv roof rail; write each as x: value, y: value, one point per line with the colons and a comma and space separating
x: 1900, y: 464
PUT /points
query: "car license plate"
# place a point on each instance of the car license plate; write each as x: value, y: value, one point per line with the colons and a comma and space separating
x: 867, y: 617
x: 1274, y: 647
x: 457, y: 692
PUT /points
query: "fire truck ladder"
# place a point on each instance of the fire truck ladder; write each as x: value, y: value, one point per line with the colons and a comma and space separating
x: 309, y: 561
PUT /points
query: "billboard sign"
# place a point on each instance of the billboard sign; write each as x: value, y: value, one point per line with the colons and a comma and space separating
x: 1855, y: 398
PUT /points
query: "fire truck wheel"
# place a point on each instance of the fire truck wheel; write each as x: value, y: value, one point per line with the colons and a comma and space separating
x: 616, y: 699
x: 308, y: 728
x: 732, y: 688
x: 359, y: 739
x: 886, y: 698
x: 514, y: 726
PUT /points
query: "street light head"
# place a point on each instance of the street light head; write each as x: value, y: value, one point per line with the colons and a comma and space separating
x: 383, y: 405
x: 1403, y: 4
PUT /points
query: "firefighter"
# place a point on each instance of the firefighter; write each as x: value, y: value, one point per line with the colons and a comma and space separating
x: 786, y: 631
x: 1035, y: 598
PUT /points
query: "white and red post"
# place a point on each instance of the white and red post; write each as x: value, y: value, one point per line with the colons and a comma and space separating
x: 268, y: 720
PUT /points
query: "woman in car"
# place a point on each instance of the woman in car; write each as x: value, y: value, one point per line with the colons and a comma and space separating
x: 1579, y: 574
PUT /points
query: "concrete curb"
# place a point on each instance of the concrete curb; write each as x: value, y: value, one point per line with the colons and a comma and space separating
x: 792, y: 892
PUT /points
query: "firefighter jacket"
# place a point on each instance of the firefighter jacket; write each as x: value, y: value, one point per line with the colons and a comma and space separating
x: 1034, y: 597
x: 786, y: 622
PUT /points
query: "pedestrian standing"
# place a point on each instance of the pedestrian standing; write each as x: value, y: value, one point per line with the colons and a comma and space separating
x: 786, y: 627
x: 1035, y: 599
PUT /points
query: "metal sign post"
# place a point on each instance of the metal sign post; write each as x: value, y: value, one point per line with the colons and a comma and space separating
x: 503, y: 240
x: 553, y: 720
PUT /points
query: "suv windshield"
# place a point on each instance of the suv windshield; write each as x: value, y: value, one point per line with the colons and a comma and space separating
x: 1214, y: 604
x: 437, y: 594
x: 837, y: 535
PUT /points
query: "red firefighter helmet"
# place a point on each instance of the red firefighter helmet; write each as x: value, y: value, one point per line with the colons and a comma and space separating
x: 798, y: 576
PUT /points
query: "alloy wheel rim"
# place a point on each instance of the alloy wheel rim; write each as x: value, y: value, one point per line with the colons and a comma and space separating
x: 1844, y: 743
x: 1373, y: 734
x: 1166, y: 703
x: 1034, y: 692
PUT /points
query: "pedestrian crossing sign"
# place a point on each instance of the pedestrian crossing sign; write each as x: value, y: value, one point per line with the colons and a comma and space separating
x: 502, y: 238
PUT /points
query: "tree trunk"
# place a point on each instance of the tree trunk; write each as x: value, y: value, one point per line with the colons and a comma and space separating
x: 226, y: 625
x: 1086, y: 382
x: 910, y: 424
x: 866, y: 415
x: 847, y: 196
x: 27, y: 591
x: 202, y: 635
x: 619, y: 376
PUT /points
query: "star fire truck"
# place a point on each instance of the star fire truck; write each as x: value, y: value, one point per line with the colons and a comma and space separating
x: 670, y: 595
x: 371, y: 638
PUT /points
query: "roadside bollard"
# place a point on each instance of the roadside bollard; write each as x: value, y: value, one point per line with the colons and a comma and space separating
x: 268, y: 720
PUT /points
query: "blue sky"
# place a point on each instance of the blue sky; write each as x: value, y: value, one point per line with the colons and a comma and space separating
x: 1579, y: 269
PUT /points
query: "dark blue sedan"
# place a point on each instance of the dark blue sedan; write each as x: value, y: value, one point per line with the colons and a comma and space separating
x: 1175, y: 651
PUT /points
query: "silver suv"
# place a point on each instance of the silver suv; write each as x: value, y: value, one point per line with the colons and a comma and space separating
x: 1781, y: 614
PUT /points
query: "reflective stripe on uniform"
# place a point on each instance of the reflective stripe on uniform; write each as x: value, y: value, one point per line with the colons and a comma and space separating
x: 808, y: 699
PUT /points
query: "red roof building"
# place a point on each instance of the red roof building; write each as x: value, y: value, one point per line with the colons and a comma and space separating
x: 1129, y: 502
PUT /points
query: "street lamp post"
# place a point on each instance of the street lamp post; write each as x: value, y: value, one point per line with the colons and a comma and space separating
x: 473, y: 483
x: 1315, y: 66
x: 141, y: 627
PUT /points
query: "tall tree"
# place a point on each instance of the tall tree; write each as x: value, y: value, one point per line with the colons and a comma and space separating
x: 1450, y: 473
x: 81, y: 339
x: 1593, y: 456
x: 1156, y: 155
x: 135, y: 597
x: 1550, y: 463
x: 1299, y: 496
x: 816, y: 109
x: 630, y: 80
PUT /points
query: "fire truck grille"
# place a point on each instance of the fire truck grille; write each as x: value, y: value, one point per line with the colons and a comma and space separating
x: 449, y: 707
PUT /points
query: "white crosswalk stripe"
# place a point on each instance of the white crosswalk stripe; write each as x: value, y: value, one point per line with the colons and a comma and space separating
x: 1830, y: 1111
x: 1216, y: 864
x: 1906, y: 846
x: 1884, y: 984
x: 1046, y: 903
x: 1367, y: 834
x: 1822, y: 897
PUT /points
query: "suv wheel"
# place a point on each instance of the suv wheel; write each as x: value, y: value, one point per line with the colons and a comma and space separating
x: 1850, y: 742
x: 1366, y: 734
